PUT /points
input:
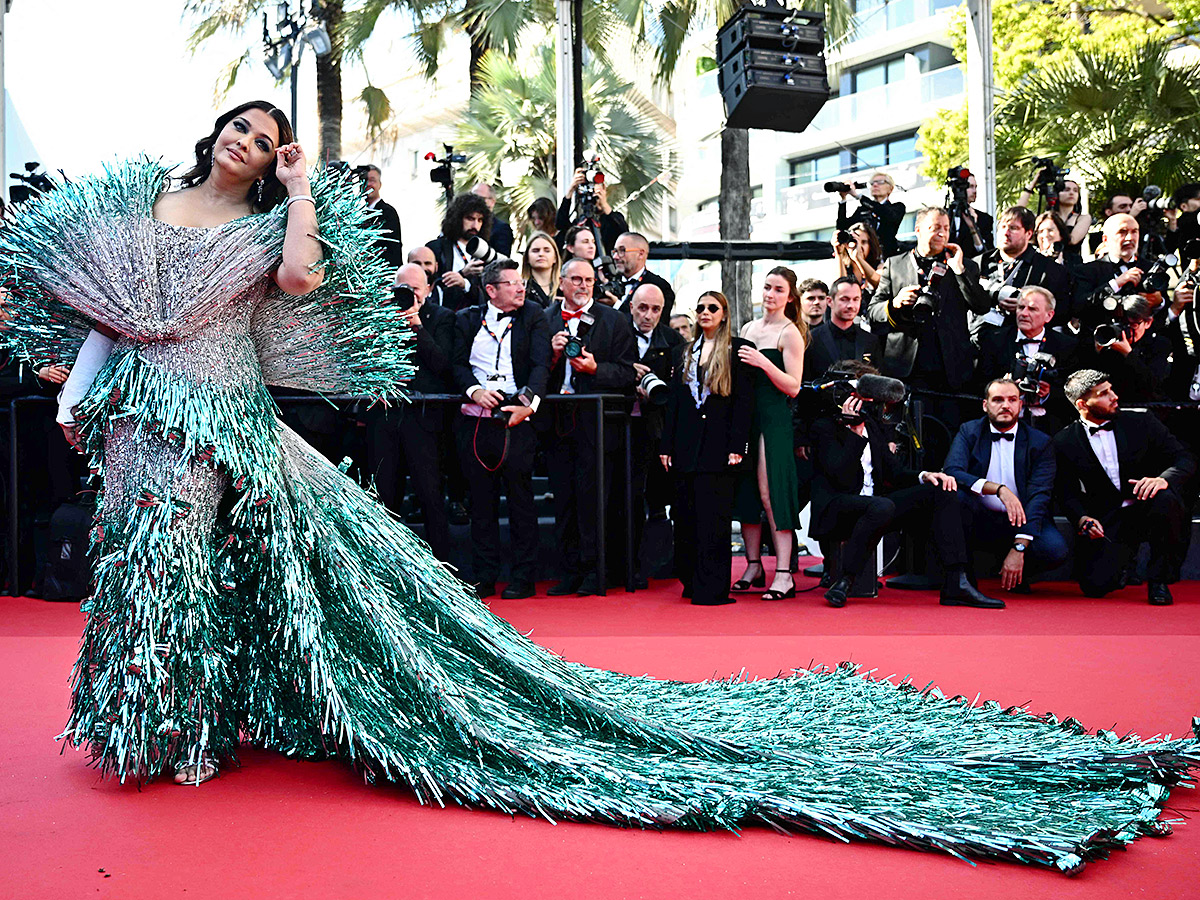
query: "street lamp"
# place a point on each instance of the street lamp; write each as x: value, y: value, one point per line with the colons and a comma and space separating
x: 282, y: 52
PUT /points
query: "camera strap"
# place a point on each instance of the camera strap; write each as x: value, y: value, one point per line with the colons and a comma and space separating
x: 1189, y: 327
x: 475, y: 447
x: 498, y: 339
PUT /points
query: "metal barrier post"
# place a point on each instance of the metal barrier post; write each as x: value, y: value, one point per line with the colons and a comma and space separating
x: 14, y: 522
x: 601, y: 557
x: 630, y: 562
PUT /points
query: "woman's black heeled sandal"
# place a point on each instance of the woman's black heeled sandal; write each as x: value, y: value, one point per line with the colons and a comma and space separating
x: 759, y: 581
x: 782, y: 595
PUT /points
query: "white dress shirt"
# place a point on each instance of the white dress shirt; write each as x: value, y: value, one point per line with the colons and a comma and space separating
x: 1002, y: 469
x: 1104, y: 445
x: 491, y: 358
x: 868, y: 467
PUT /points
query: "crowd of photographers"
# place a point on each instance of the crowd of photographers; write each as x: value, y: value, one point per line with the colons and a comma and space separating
x: 880, y: 378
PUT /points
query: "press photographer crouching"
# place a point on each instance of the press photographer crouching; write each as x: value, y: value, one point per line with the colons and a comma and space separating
x: 1127, y: 347
x: 706, y: 435
x: 921, y: 305
x: 1005, y: 475
x: 406, y: 436
x: 1036, y: 357
x: 1013, y: 265
x: 502, y: 363
x: 861, y: 490
x: 593, y: 352
x: 1120, y: 482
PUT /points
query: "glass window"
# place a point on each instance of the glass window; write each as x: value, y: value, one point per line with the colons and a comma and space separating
x: 895, y: 70
x: 806, y: 171
x: 870, y: 77
x: 902, y: 149
x: 820, y: 234
x: 872, y: 156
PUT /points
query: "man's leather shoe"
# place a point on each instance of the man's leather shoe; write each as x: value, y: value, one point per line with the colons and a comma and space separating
x: 838, y: 592
x: 517, y: 590
x: 963, y: 593
x: 590, y: 586
x: 640, y: 583
x: 723, y: 601
x: 485, y: 589
x: 1159, y: 594
x: 826, y: 579
x: 568, y: 585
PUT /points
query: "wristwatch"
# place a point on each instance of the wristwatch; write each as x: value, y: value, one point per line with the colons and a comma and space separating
x: 1020, y: 546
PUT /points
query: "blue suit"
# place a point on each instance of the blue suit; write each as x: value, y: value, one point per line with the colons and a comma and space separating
x: 970, y: 457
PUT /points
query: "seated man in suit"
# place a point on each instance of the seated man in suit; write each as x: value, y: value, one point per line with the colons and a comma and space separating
x: 1121, y: 481
x: 602, y: 365
x: 629, y: 256
x: 501, y: 351
x: 861, y: 490
x: 1005, y: 474
x: 1027, y: 335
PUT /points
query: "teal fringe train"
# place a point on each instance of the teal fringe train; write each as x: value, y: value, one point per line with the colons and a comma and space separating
x: 303, y: 618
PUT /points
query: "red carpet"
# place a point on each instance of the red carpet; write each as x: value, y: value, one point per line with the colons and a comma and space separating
x: 278, y: 828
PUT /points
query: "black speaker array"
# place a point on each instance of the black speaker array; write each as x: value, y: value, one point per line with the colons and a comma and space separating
x: 772, y: 67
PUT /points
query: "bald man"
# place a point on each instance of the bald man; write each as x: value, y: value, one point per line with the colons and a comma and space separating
x: 502, y: 233
x: 629, y: 255
x: 405, y: 437
x: 1117, y: 269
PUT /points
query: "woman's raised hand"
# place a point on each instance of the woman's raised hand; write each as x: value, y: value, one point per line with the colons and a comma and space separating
x: 291, y: 166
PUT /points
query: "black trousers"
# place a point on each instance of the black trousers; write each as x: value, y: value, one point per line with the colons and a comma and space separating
x: 481, y: 447
x: 572, y: 459
x: 1162, y: 521
x: 652, y: 490
x: 862, y: 521
x: 990, y: 530
x: 703, y: 545
x: 405, y: 440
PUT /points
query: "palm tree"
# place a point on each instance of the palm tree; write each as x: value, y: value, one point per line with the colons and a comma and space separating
x: 1119, y: 115
x: 511, y: 118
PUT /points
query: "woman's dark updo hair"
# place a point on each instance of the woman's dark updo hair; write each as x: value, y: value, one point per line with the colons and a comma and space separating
x: 273, y: 192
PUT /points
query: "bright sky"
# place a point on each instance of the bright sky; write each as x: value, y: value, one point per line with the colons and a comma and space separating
x: 94, y: 81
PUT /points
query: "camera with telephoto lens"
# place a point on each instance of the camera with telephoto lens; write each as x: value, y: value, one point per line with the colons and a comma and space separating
x: 573, y: 349
x: 957, y: 185
x: 1118, y: 307
x: 1155, y: 199
x: 1051, y: 180
x: 404, y: 297
x: 654, y: 382
x: 340, y: 165
x: 32, y: 183
x: 842, y: 187
x: 520, y: 398
x: 846, y: 238
x: 998, y: 290
x: 926, y: 303
x: 478, y: 248
x: 1029, y: 370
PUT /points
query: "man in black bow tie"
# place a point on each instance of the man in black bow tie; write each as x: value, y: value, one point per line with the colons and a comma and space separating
x: 629, y: 256
x: 1121, y: 478
x: 1005, y: 474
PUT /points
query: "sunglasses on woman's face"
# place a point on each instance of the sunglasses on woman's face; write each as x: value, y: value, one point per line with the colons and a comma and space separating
x: 708, y: 307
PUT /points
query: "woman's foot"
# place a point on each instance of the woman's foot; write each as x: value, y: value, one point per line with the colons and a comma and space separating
x: 193, y: 775
x: 783, y: 586
x: 755, y: 576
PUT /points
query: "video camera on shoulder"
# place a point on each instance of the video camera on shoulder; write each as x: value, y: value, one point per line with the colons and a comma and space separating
x: 1029, y: 370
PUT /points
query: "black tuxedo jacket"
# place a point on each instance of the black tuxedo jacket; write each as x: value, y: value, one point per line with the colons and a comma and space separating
x: 648, y: 277
x: 454, y: 298
x: 998, y: 351
x: 985, y: 225
x: 837, y: 467
x: 530, y: 348
x: 388, y: 221
x: 822, y: 351
x: 1139, y: 376
x: 956, y: 295
x: 1033, y: 461
x: 1091, y: 287
x: 1144, y: 448
x: 700, y: 440
x: 610, y: 339
x: 1031, y: 267
x: 885, y: 218
x: 502, y: 237
x: 435, y: 348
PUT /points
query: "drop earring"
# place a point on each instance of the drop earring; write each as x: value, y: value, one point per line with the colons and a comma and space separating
x: 260, y: 189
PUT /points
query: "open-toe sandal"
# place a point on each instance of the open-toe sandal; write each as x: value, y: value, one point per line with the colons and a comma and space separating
x: 759, y: 581
x: 782, y: 595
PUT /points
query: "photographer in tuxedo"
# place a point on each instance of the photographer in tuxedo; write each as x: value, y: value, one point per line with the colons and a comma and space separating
x: 861, y: 490
x: 593, y: 352
x: 1016, y: 264
x: 1027, y: 335
x: 1005, y: 475
x: 1121, y: 481
x: 502, y: 363
x: 1118, y: 265
x: 629, y: 256
x: 467, y: 216
x: 388, y: 220
x: 406, y: 435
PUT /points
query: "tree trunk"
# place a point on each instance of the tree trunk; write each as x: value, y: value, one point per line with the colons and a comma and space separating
x: 479, y: 46
x: 734, y: 206
x: 329, y: 86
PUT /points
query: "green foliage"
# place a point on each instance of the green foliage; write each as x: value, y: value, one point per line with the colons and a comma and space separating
x: 512, y: 119
x: 942, y: 140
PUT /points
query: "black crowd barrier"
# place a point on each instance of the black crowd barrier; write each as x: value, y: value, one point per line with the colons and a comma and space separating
x: 605, y: 406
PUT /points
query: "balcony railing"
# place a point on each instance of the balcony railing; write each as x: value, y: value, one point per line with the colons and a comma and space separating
x: 801, y: 198
x: 901, y: 98
x: 894, y: 14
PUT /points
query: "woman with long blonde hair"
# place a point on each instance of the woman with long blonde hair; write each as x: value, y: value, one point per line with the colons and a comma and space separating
x: 705, y: 437
x: 770, y: 485
x: 541, y: 267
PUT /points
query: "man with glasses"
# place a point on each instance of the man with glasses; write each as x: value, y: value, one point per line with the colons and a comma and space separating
x: 629, y: 256
x: 593, y: 352
x: 876, y: 210
x: 921, y: 305
x: 502, y: 363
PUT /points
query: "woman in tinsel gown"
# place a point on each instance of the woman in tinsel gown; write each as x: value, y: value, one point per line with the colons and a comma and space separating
x: 246, y: 590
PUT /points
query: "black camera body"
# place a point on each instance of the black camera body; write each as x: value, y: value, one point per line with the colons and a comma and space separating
x: 1051, y: 180
x: 1029, y: 370
x: 925, y: 306
x: 443, y: 171
x: 404, y: 297
x: 573, y: 349
x: 1108, y: 333
x: 957, y: 185
x: 846, y: 238
x: 842, y: 187
x: 522, y: 397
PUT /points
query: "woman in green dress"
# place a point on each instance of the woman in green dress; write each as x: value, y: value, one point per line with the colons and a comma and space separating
x: 769, y: 483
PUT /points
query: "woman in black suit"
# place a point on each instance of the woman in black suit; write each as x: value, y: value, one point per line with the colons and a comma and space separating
x: 705, y: 436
